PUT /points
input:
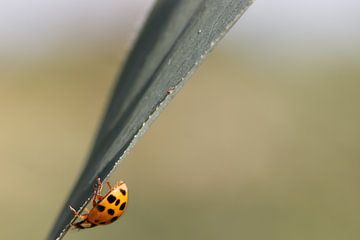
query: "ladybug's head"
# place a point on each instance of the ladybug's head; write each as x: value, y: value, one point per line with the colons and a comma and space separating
x: 83, y: 224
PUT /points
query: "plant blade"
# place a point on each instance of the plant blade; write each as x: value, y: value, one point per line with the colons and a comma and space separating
x: 175, y: 39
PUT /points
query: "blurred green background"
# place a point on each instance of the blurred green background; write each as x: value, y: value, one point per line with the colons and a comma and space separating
x: 262, y: 142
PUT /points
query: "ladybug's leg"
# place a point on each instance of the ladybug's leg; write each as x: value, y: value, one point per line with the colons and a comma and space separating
x: 97, y: 190
x: 109, y: 186
x: 98, y: 186
x: 99, y: 198
x: 82, y: 217
x: 120, y: 183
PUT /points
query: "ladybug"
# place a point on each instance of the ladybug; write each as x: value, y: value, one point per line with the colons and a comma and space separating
x: 106, y: 209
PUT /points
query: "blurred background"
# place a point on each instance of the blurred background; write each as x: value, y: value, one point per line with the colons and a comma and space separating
x: 262, y: 142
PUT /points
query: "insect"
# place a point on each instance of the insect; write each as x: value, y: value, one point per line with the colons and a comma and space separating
x: 106, y: 209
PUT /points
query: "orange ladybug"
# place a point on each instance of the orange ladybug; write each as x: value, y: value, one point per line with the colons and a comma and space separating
x: 106, y: 209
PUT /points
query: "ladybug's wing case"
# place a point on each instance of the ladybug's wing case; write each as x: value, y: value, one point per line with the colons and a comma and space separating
x: 111, y: 207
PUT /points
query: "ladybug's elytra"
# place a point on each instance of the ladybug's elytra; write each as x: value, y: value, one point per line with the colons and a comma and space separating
x: 106, y: 209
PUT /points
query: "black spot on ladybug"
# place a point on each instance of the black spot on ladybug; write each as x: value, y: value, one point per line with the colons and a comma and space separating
x: 123, y: 191
x: 117, y: 202
x: 96, y: 220
x: 102, y: 223
x: 114, y: 219
x: 111, y: 198
x: 100, y: 208
x: 122, y: 206
x: 111, y: 211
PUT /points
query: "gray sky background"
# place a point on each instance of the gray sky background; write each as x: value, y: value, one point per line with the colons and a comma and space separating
x: 31, y: 28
